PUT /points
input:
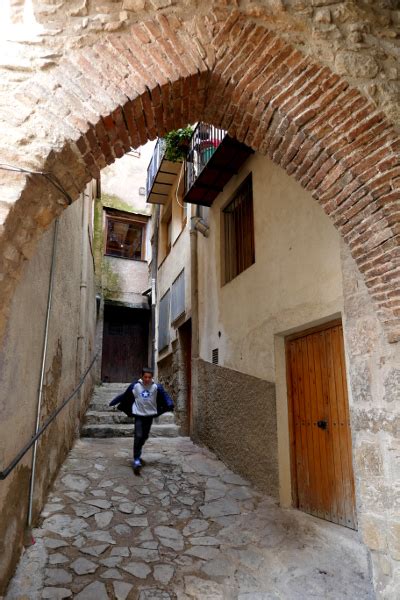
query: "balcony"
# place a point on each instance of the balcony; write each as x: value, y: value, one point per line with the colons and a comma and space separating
x: 161, y: 175
x: 213, y: 158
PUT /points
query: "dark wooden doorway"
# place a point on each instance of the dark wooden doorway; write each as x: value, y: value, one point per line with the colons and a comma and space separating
x: 322, y: 472
x: 125, y: 343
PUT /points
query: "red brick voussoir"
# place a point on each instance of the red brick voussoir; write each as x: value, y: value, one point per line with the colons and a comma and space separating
x: 224, y: 68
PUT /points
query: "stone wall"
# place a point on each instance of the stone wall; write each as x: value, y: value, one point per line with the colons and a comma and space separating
x: 171, y: 373
x: 237, y: 421
x: 102, y: 79
x: 20, y: 362
x: 374, y: 382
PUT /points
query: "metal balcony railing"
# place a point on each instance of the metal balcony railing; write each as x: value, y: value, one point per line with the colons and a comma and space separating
x: 203, y: 143
x: 152, y: 170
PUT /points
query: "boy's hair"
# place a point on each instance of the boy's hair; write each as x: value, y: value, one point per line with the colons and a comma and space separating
x: 147, y: 370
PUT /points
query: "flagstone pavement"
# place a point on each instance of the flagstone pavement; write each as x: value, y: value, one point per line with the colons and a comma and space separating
x: 187, y: 528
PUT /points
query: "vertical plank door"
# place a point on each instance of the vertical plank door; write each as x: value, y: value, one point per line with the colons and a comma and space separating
x: 322, y: 469
x: 125, y: 343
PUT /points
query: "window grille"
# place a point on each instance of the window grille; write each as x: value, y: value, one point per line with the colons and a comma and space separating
x: 163, y: 322
x: 215, y: 356
x: 238, y: 231
x: 178, y: 296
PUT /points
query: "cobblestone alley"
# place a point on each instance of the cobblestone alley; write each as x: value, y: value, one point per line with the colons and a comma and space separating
x: 187, y: 528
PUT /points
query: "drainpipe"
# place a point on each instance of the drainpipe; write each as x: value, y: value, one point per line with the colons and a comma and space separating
x: 154, y: 265
x: 42, y: 370
x: 82, y: 331
x: 193, y: 425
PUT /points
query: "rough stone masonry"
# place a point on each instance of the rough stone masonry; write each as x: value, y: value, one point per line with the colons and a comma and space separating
x: 313, y: 84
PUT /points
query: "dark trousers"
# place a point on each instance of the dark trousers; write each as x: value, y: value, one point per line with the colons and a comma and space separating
x: 142, y: 430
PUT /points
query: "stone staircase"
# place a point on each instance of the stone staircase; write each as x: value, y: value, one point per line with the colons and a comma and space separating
x: 103, y: 421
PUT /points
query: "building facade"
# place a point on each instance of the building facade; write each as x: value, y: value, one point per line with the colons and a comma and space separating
x: 313, y: 87
x: 275, y: 385
x: 122, y: 254
x: 50, y: 343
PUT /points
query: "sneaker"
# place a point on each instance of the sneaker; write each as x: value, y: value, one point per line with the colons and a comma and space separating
x: 137, y: 463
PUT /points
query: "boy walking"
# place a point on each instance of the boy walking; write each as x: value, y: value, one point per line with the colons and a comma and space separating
x: 144, y: 399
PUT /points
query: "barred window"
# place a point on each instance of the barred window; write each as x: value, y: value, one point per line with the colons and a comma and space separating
x: 238, y: 232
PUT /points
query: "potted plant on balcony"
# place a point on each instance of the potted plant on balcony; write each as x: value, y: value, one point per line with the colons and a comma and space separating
x: 177, y: 143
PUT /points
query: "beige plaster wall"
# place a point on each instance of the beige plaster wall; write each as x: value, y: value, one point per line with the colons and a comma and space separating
x: 125, y: 176
x: 295, y: 282
x: 20, y: 360
x: 124, y: 280
x: 170, y: 266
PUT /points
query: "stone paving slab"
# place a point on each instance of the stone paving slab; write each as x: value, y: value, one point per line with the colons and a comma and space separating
x: 186, y: 529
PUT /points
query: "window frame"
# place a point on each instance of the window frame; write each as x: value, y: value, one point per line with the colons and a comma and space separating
x: 131, y: 219
x: 235, y: 263
x: 166, y: 338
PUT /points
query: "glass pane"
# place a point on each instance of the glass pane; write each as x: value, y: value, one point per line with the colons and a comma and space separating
x: 124, y: 239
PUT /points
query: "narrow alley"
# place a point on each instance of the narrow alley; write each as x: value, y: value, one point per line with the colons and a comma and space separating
x: 187, y: 528
x: 200, y: 258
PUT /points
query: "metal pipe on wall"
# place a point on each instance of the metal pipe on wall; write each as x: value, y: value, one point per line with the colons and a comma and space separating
x: 154, y: 266
x: 42, y: 369
x: 80, y: 362
x: 195, y: 323
x: 82, y: 331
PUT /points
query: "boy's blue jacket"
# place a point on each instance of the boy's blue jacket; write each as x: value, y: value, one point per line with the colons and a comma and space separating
x: 125, y: 400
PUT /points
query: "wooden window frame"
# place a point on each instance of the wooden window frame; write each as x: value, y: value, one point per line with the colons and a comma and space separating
x: 234, y: 260
x: 126, y: 218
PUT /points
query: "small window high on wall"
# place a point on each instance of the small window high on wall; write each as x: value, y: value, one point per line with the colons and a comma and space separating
x: 238, y: 232
x: 125, y: 237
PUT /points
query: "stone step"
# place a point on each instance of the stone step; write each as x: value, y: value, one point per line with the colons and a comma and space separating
x: 100, y: 405
x: 94, y: 417
x: 126, y: 430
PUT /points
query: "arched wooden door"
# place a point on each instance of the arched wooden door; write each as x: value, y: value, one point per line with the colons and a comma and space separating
x: 322, y: 471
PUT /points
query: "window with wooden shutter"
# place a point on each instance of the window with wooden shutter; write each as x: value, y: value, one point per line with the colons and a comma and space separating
x: 164, y: 322
x: 238, y: 232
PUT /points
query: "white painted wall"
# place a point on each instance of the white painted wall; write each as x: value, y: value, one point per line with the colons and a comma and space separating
x: 296, y: 282
x: 125, y: 177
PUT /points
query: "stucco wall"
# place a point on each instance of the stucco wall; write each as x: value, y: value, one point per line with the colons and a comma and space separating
x: 125, y: 281
x: 169, y: 269
x: 20, y: 360
x: 295, y: 281
x: 245, y: 439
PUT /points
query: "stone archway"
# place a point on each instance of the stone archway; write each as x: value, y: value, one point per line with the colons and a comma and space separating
x: 91, y: 107
x: 130, y: 87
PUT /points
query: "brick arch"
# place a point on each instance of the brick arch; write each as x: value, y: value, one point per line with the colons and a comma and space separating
x: 131, y: 87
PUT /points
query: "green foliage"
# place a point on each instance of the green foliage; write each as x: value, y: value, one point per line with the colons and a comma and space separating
x: 177, y: 143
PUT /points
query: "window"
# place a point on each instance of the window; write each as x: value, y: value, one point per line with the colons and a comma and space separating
x: 125, y: 237
x: 178, y: 296
x: 163, y: 322
x: 169, y: 235
x: 238, y: 232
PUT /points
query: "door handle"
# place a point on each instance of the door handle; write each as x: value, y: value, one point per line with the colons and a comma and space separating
x: 322, y: 424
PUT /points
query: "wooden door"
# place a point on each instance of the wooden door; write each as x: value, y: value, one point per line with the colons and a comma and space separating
x: 322, y: 471
x: 125, y: 343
